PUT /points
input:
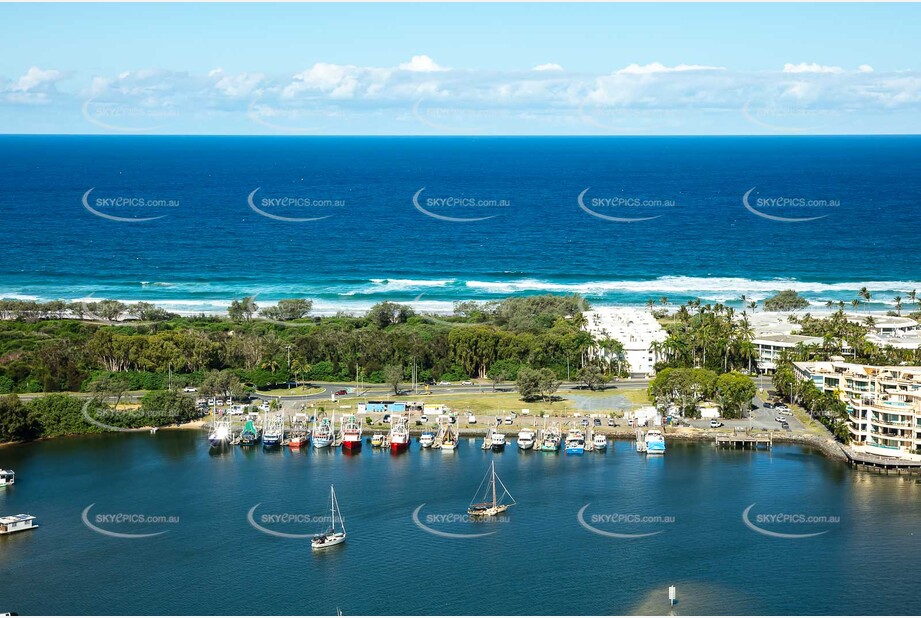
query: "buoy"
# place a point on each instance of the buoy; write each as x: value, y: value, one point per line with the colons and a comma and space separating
x: 672, y: 595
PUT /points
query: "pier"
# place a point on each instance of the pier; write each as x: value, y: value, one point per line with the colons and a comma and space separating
x: 745, y: 440
x: 881, y: 464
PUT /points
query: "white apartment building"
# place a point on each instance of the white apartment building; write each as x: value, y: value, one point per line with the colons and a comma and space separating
x: 636, y: 329
x: 883, y: 404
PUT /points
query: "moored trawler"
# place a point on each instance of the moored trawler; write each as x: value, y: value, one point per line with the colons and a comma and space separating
x: 551, y: 438
x: 274, y: 431
x: 299, y: 435
x: 600, y: 442
x: 498, y: 442
x: 427, y: 439
x: 250, y: 433
x: 220, y: 434
x: 322, y: 435
x: 17, y: 523
x: 575, y: 441
x: 351, y: 434
x: 7, y: 477
x: 655, y: 442
x: 525, y: 439
x: 399, y: 434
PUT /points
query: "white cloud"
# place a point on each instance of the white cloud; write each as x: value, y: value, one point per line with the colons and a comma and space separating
x: 35, y: 78
x: 657, y: 67
x: 865, y: 68
x: 421, y: 64
x: 810, y: 67
x: 550, y: 66
x: 241, y: 84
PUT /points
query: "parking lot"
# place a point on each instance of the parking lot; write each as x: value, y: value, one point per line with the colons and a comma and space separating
x: 761, y: 418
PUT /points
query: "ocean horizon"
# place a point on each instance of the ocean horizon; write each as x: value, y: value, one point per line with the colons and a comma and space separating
x: 191, y: 223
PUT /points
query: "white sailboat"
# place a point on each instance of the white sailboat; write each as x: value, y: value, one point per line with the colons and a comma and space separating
x: 332, y: 536
x: 490, y: 502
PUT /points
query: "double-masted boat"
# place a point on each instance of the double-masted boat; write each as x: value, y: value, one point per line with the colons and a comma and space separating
x: 490, y: 502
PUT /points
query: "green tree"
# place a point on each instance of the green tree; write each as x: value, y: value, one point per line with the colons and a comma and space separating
x: 786, y: 300
x: 734, y: 393
x: 393, y: 375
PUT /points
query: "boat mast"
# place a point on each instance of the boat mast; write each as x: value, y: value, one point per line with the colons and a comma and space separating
x: 332, y: 507
x: 493, y: 484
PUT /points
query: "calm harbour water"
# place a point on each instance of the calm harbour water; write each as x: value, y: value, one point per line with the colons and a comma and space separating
x: 540, y: 561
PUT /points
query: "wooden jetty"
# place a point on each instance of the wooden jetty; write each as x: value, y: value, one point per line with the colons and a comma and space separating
x: 881, y: 464
x: 745, y: 440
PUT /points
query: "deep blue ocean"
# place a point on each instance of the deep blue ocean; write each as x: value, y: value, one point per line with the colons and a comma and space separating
x: 368, y: 241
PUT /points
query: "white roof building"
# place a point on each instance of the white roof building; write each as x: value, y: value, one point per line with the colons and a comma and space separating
x: 636, y: 329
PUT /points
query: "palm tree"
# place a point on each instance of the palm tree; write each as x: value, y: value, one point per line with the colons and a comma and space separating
x: 898, y: 305
x: 753, y: 305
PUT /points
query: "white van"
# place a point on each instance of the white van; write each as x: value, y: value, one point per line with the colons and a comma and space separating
x: 471, y: 419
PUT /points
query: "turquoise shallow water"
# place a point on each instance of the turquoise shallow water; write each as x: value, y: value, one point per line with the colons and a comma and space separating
x: 541, y: 560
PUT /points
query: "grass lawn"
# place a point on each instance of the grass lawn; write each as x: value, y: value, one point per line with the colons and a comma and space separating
x: 490, y: 402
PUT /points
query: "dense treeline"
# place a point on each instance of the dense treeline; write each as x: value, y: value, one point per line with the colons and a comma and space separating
x: 59, y: 414
x: 54, y: 353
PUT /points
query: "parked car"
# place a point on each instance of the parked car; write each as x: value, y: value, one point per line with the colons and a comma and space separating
x: 386, y: 418
x: 471, y: 419
x: 424, y: 418
x: 715, y: 424
x: 467, y: 383
x: 508, y: 420
x: 342, y: 392
x: 444, y: 383
x: 498, y: 420
x: 611, y: 422
x: 597, y: 422
x: 780, y: 419
x: 767, y: 405
x: 585, y: 422
x: 190, y: 389
x: 785, y: 425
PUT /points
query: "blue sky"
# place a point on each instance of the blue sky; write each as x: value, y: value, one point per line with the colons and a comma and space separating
x: 460, y: 68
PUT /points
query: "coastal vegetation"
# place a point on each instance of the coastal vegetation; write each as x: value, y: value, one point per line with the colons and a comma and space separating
x: 44, y: 347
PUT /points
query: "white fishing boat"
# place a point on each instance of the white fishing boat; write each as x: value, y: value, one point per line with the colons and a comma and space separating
x: 7, y: 477
x: 332, y: 535
x: 655, y: 442
x: 427, y: 439
x: 489, y: 502
x: 525, y: 439
x: 498, y: 442
x: 551, y: 436
x: 220, y: 433
x: 17, y: 523
x: 274, y: 431
x: 575, y: 441
x: 600, y: 442
x: 323, y: 433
